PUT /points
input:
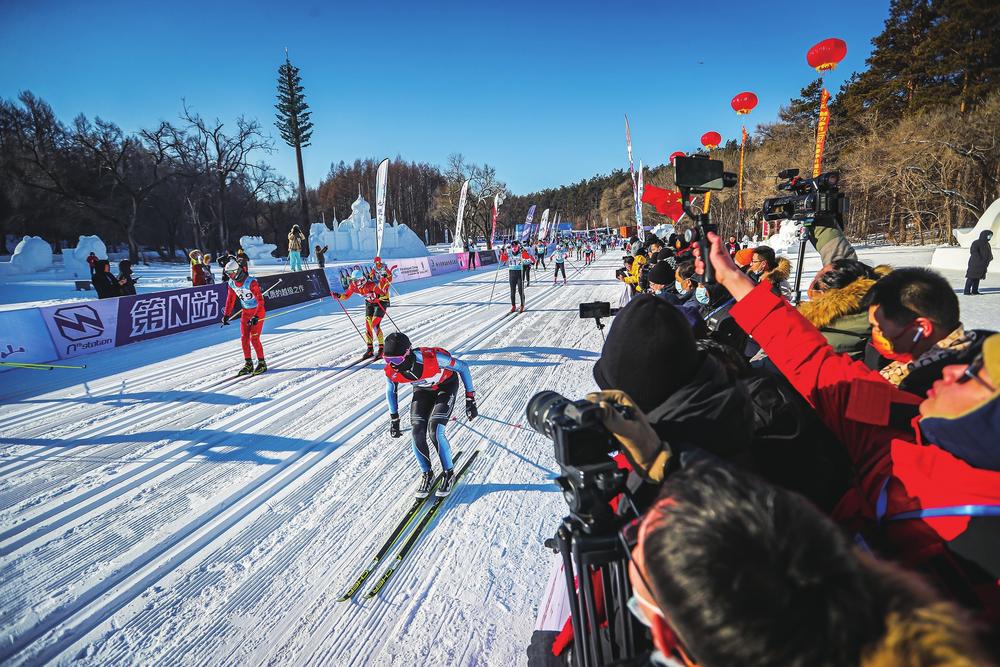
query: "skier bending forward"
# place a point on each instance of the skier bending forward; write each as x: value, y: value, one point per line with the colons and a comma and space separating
x: 246, y: 289
x: 433, y: 373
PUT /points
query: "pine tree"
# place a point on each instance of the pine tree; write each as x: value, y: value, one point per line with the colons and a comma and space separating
x: 294, y: 125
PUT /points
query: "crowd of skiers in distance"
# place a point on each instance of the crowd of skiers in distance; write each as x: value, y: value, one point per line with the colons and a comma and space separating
x: 819, y: 482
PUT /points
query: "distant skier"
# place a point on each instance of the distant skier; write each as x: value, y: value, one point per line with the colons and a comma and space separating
x: 588, y: 253
x: 433, y: 373
x: 540, y: 254
x: 515, y: 261
x: 245, y: 288
x: 559, y: 262
x: 376, y: 295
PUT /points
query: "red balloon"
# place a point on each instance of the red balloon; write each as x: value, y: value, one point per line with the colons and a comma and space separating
x: 676, y: 154
x: 711, y: 139
x: 825, y: 55
x: 744, y: 103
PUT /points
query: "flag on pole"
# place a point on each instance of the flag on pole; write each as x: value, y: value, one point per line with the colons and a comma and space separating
x: 380, y: 183
x: 497, y: 200
x: 457, y: 241
x: 543, y: 226
x: 640, y: 232
x: 526, y: 231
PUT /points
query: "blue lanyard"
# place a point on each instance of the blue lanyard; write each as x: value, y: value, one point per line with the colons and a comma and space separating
x: 882, y: 503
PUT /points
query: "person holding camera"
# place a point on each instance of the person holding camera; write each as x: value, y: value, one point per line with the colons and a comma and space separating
x: 928, y: 493
x: 433, y: 373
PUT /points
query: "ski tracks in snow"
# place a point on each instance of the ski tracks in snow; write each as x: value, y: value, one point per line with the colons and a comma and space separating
x: 209, y: 534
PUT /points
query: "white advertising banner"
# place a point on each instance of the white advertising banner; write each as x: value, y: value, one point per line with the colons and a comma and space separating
x: 83, y: 327
x: 410, y: 269
x: 24, y: 338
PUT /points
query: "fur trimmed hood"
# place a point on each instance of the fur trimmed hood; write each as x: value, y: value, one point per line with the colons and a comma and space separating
x: 778, y: 273
x: 841, y: 302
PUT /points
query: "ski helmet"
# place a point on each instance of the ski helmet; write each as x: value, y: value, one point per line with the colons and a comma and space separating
x: 234, y: 269
x: 356, y: 274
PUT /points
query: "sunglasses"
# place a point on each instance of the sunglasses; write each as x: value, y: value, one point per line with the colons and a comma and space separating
x: 396, y: 360
x: 971, y: 372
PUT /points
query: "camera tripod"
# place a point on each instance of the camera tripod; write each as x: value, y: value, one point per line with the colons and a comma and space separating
x: 803, y: 235
x: 603, y: 557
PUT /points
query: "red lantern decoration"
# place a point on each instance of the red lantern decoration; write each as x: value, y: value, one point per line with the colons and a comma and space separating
x: 825, y: 55
x: 744, y: 103
x: 711, y: 140
x: 676, y: 154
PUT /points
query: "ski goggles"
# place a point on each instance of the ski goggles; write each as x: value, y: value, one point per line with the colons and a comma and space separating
x: 395, y: 361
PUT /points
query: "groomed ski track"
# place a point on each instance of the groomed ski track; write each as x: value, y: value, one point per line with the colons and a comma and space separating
x: 153, y: 510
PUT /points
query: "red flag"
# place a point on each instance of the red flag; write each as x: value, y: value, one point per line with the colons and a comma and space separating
x: 666, y: 202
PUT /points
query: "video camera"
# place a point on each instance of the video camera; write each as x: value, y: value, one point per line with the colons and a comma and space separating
x: 589, y: 538
x: 814, y: 200
x: 694, y: 175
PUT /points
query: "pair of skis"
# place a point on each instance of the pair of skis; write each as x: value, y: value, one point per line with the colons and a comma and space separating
x: 411, y: 540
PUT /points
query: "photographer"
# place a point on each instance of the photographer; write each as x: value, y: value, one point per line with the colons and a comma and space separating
x: 730, y: 570
x: 126, y: 280
x: 932, y: 506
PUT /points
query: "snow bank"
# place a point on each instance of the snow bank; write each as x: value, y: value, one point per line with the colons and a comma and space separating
x: 255, y: 248
x: 957, y: 259
x: 75, y: 260
x: 32, y: 254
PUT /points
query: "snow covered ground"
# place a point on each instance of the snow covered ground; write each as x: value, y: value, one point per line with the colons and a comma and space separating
x: 152, y: 511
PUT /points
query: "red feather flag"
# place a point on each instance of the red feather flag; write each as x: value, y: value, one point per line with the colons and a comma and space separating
x: 666, y: 202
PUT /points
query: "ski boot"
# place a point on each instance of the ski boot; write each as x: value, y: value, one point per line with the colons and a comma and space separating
x: 369, y: 353
x: 513, y: 308
x: 247, y: 369
x: 378, y: 353
x: 447, y: 483
x: 261, y: 367
x: 522, y: 307
x: 426, y: 481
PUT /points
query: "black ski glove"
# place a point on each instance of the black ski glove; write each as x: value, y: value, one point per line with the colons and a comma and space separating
x: 253, y: 321
x: 335, y: 295
x: 394, y: 429
x: 471, y: 411
x: 225, y: 319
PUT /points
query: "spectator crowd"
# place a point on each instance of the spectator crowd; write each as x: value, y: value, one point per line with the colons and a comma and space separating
x: 818, y: 483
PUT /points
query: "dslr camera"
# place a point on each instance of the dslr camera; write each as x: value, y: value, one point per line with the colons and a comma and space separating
x: 816, y: 201
x: 695, y: 175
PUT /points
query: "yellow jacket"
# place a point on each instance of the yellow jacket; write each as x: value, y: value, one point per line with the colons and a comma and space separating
x: 633, y: 277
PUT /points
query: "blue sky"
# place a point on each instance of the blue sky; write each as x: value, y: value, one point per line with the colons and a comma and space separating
x: 537, y: 89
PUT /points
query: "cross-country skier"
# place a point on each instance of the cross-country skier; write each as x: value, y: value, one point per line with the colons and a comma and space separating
x: 559, y: 259
x: 588, y: 253
x: 383, y: 275
x: 516, y: 260
x: 433, y: 373
x: 375, y: 293
x: 246, y: 289
x: 540, y: 254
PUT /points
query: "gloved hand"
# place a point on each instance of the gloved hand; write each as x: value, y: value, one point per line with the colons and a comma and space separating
x: 225, y: 319
x: 253, y: 321
x: 394, y: 429
x: 642, y: 446
x: 471, y: 411
x: 335, y: 295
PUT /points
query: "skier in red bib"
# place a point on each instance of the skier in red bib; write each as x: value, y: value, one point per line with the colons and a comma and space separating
x: 246, y: 289
x: 433, y: 373
x: 376, y: 294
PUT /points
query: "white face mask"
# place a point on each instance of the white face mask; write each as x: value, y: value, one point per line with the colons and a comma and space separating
x: 701, y: 294
x: 680, y: 288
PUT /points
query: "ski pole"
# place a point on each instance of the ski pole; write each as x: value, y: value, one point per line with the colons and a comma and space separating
x: 386, y: 313
x: 496, y: 274
x: 499, y: 421
x: 38, y: 367
x: 350, y: 319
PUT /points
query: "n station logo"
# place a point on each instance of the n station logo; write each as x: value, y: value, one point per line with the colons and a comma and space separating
x: 82, y: 326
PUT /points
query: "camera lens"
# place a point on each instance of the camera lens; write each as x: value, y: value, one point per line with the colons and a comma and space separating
x: 541, y: 406
x: 689, y: 236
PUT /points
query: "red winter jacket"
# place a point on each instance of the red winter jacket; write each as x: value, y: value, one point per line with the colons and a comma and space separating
x: 962, y: 553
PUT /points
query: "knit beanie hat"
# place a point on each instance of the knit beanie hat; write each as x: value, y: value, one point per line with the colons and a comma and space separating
x: 649, y: 353
x: 744, y: 257
x: 661, y: 274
